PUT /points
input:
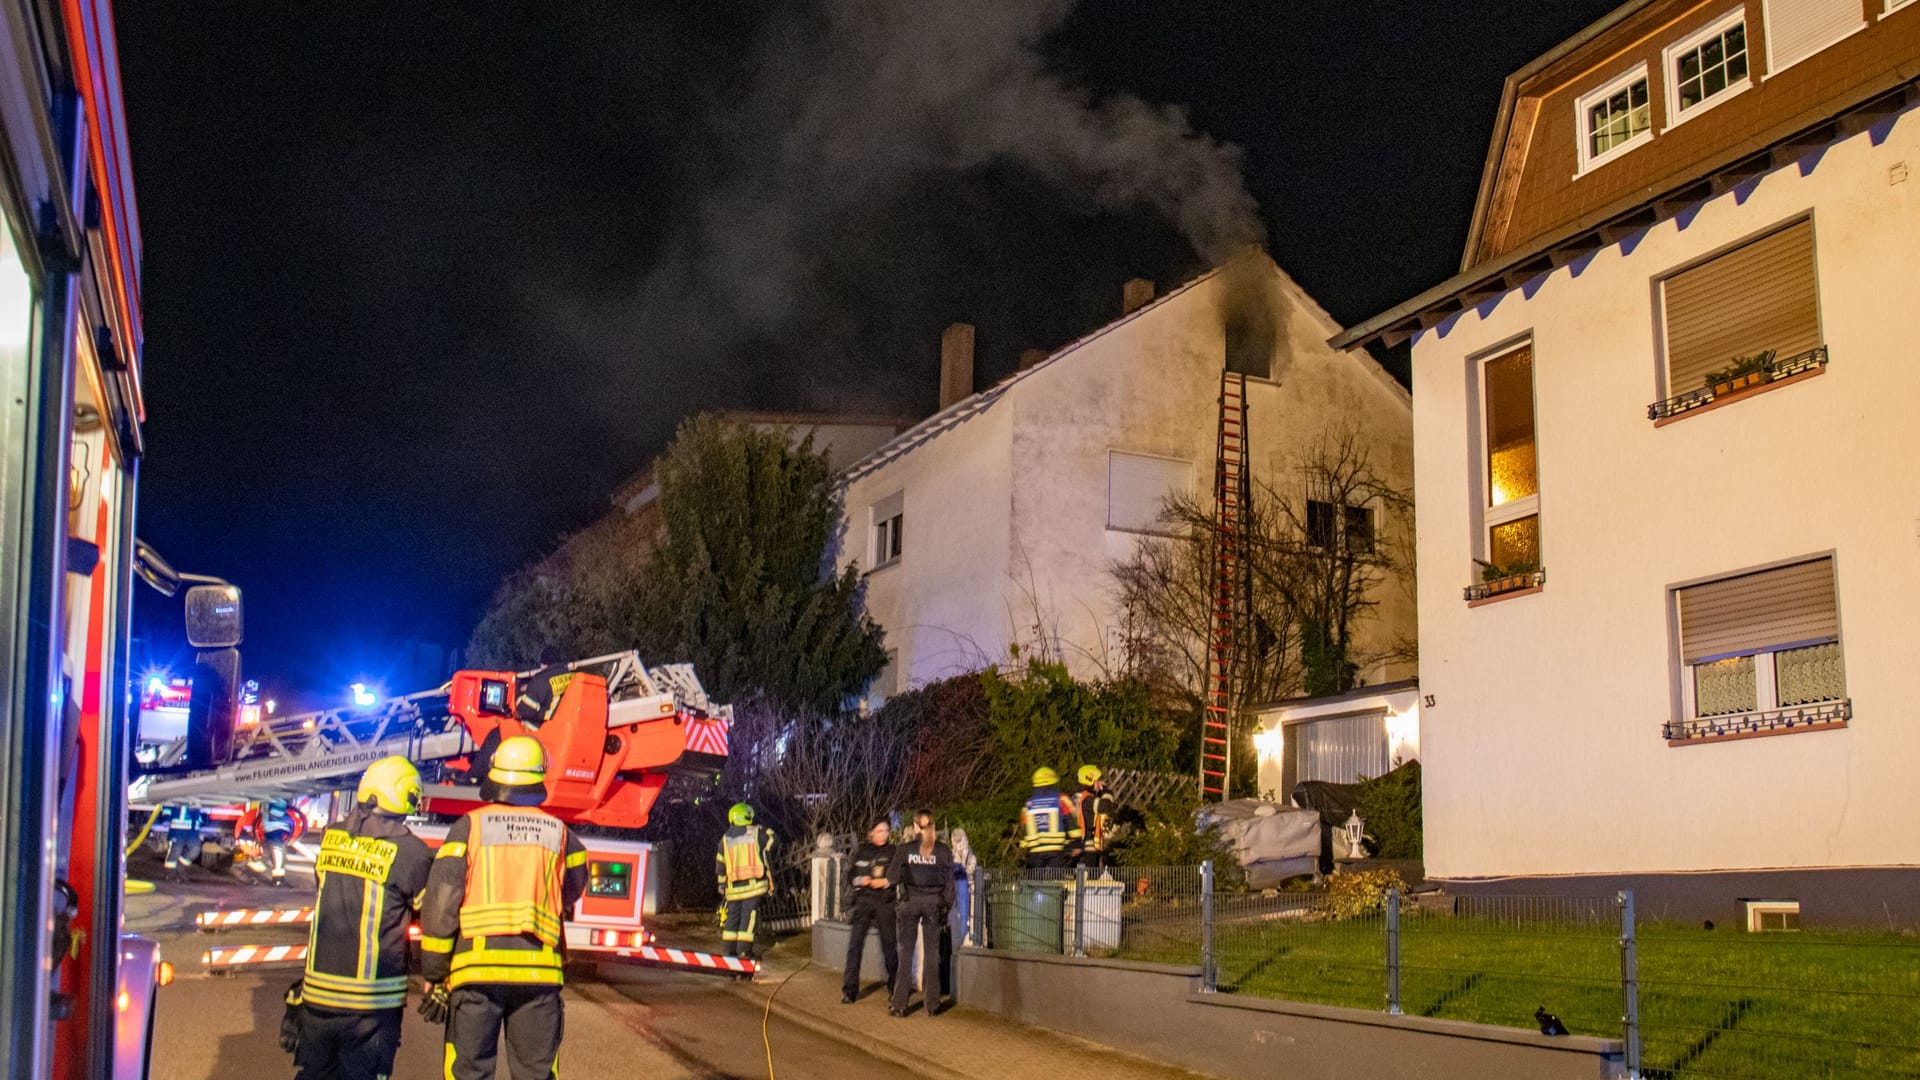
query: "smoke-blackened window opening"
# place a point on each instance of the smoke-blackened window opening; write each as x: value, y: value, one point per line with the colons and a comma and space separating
x: 1250, y: 342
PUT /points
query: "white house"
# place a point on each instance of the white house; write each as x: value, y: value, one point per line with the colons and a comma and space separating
x: 1693, y: 680
x: 995, y: 523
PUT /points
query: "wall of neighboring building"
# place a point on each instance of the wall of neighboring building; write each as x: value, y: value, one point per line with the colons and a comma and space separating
x: 1544, y: 750
x: 1543, y: 188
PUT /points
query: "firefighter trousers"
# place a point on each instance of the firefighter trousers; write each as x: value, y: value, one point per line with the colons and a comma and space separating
x: 531, y: 1016
x: 743, y: 921
x: 340, y: 1044
x: 881, y: 916
x: 921, y: 918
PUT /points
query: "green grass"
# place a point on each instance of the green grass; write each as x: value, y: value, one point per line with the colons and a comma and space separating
x: 1712, y: 1003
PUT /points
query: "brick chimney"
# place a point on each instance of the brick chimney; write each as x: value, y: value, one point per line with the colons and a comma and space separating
x: 1135, y: 294
x: 956, y: 363
x: 1030, y: 357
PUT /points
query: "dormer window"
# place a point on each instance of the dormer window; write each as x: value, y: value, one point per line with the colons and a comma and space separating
x: 1708, y: 67
x: 1614, y: 119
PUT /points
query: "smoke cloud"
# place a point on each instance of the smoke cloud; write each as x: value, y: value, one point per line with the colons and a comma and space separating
x: 848, y: 110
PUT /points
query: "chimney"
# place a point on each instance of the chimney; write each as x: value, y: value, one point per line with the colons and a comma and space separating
x: 1030, y: 357
x: 956, y: 363
x: 1134, y: 295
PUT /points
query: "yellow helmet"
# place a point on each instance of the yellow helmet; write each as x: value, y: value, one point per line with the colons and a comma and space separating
x: 1089, y: 775
x: 393, y: 785
x: 1045, y: 777
x: 740, y: 814
x: 518, y: 774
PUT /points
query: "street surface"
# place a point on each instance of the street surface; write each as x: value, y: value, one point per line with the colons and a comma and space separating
x: 621, y: 1022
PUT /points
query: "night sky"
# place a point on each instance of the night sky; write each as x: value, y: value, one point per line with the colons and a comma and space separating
x: 424, y: 283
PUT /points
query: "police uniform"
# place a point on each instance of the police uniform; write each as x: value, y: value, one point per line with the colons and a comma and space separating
x: 1048, y: 825
x: 926, y: 883
x: 371, y: 871
x: 741, y: 865
x: 493, y: 930
x: 871, y: 907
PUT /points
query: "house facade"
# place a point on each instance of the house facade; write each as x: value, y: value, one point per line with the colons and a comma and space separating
x: 1668, y: 560
x: 996, y: 523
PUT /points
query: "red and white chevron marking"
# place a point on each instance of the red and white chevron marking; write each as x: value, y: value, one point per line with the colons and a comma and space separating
x: 241, y: 955
x: 707, y: 737
x: 221, y: 920
x: 681, y: 958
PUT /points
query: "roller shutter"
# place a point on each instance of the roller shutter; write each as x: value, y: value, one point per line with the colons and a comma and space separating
x: 1758, y: 296
x: 1788, y: 605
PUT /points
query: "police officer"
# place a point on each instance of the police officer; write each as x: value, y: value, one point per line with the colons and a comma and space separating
x: 924, y: 869
x: 183, y: 825
x: 741, y: 865
x: 372, y: 871
x: 1093, y: 810
x: 872, y: 906
x: 493, y: 932
x: 1047, y: 825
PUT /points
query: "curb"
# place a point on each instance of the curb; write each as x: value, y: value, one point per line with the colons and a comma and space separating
x: 883, y: 1049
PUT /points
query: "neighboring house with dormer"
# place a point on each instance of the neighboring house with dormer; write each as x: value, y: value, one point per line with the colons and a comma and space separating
x: 1670, y: 399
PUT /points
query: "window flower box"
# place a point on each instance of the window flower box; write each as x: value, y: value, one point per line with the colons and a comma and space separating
x: 1498, y: 583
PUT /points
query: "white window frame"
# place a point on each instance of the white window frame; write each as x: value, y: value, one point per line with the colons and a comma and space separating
x: 1670, y: 68
x: 1894, y: 5
x: 1775, y: 69
x: 1766, y: 676
x: 1488, y: 514
x: 878, y: 551
x: 1589, y: 161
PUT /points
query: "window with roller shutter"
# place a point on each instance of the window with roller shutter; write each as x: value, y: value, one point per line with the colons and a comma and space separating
x: 1796, y: 29
x: 1761, y: 652
x: 1761, y: 295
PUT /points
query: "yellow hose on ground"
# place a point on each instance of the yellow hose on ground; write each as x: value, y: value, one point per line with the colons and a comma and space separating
x: 144, y: 830
x: 768, y: 1015
x: 136, y: 887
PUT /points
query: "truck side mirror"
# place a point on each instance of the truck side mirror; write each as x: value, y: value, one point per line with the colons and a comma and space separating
x: 213, y: 616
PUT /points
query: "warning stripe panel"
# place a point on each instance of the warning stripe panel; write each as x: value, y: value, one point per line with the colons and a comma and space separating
x: 682, y: 958
x: 217, y: 920
x: 241, y: 955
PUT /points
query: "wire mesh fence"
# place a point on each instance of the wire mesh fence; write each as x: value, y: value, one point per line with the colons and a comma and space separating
x: 1684, y: 1002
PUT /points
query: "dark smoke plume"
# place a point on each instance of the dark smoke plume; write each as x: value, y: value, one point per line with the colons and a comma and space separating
x: 850, y: 107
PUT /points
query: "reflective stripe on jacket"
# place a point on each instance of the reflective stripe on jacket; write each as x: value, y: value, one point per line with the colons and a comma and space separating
x: 1094, y: 811
x: 1047, y: 823
x: 371, y: 872
x: 502, y: 885
x: 741, y: 863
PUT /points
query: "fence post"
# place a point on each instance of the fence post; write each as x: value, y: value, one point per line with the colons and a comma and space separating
x: 1393, y: 951
x: 1079, y: 911
x: 1629, y: 985
x: 977, y: 926
x: 1209, y: 977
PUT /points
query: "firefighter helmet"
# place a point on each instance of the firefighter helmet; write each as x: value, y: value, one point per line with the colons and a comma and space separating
x: 1089, y: 775
x: 391, y: 784
x: 518, y: 774
x: 1045, y: 777
x: 740, y: 814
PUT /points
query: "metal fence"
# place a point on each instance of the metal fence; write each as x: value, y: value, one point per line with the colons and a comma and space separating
x: 1685, y: 1002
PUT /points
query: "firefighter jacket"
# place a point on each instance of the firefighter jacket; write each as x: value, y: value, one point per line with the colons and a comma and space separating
x: 871, y: 861
x: 741, y: 864
x: 924, y: 874
x: 1047, y: 822
x: 184, y: 821
x: 1094, y: 810
x: 276, y: 819
x: 372, y: 871
x: 502, y: 884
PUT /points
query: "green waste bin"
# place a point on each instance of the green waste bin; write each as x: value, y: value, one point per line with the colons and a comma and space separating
x: 1027, y: 916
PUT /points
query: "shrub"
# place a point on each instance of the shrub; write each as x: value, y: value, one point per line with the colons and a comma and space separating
x: 1390, y: 806
x: 1364, y: 892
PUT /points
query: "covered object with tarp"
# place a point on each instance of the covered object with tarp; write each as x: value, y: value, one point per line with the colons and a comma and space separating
x: 1271, y: 842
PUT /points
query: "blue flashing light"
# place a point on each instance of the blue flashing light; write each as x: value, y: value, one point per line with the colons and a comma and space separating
x: 364, y: 696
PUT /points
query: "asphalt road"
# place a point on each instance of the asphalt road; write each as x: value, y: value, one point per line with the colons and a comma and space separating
x: 620, y: 1022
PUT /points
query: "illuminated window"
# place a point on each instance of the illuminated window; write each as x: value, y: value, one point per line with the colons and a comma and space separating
x: 1510, y: 511
x: 1707, y: 66
x: 1614, y: 119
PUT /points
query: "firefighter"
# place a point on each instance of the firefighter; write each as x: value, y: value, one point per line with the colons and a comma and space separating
x: 493, y: 932
x: 183, y: 825
x: 872, y: 906
x: 924, y: 869
x: 1047, y: 825
x: 741, y: 864
x: 1093, y: 811
x: 275, y: 826
x: 346, y: 1010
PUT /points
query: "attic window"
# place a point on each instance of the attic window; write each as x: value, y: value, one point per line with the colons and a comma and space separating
x: 1707, y: 67
x: 1614, y: 119
x: 1250, y: 342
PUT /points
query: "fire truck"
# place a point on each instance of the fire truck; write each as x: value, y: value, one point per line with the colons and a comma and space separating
x: 75, y: 994
x: 614, y: 729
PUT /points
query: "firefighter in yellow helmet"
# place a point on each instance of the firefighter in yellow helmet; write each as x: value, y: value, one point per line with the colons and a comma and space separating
x: 493, y: 923
x: 343, y: 1017
x: 1048, y: 827
x: 741, y: 864
x: 1094, y: 810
